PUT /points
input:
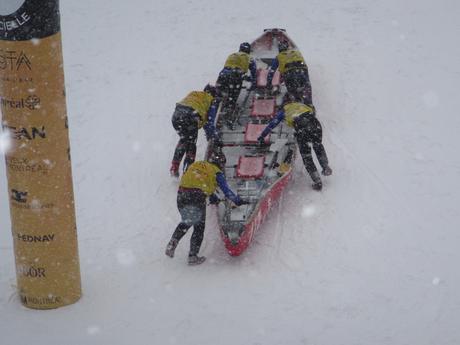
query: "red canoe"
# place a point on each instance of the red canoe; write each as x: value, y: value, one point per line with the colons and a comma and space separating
x: 258, y: 174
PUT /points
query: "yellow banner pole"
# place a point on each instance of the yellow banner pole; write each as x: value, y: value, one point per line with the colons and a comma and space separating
x: 33, y: 107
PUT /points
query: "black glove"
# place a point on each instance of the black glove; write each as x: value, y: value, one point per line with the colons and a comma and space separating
x: 240, y: 202
x: 214, y: 199
x: 261, y: 140
x: 246, y: 77
x: 218, y: 142
x: 210, y: 135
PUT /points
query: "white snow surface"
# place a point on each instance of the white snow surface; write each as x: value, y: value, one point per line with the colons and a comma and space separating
x: 372, y: 259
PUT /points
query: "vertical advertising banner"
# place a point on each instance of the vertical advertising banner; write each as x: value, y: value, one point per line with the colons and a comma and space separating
x: 40, y: 190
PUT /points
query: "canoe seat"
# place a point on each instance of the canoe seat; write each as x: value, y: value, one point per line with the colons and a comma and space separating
x: 263, y: 108
x: 262, y: 75
x: 253, y: 131
x: 250, y: 167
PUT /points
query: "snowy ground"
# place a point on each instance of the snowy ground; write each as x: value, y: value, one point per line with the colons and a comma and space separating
x: 372, y: 259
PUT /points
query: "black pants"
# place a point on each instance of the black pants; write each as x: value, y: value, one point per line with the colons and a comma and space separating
x: 308, y: 131
x: 229, y: 86
x: 191, y: 204
x: 298, y: 85
x: 185, y: 122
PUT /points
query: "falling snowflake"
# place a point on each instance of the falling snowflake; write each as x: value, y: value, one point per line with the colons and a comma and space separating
x: 308, y: 211
x: 92, y: 330
x: 136, y: 146
x: 430, y: 99
x: 35, y: 204
x: 5, y: 141
x: 125, y: 257
x: 419, y: 157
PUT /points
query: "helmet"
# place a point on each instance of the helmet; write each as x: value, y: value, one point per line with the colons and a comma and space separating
x: 210, y: 89
x: 217, y: 157
x: 245, y: 47
x: 283, y: 45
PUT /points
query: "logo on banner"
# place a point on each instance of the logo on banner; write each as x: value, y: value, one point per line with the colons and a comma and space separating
x: 19, y: 196
x: 31, y: 102
x: 22, y: 201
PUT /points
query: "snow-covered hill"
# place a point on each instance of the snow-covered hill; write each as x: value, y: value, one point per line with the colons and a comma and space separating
x: 372, y: 259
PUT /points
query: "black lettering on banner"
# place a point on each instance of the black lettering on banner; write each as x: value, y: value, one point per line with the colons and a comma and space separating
x: 26, y: 165
x: 13, y: 79
x: 33, y: 206
x: 14, y: 61
x: 36, y: 238
x: 20, y: 133
x: 31, y: 102
x: 37, y: 132
x: 23, y: 60
x: 32, y: 272
x: 26, y: 300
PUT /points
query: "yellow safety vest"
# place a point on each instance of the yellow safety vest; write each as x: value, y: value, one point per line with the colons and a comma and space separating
x: 200, y: 101
x: 238, y: 60
x: 201, y: 175
x: 292, y: 110
x: 288, y: 56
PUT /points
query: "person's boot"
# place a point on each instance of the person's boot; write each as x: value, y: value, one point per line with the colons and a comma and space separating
x: 327, y: 171
x: 174, y: 170
x: 171, y: 247
x: 317, y: 184
x: 196, y: 260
